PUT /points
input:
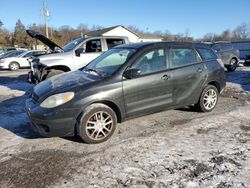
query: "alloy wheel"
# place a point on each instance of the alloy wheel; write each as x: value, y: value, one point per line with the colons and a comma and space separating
x: 210, y: 99
x: 99, y: 125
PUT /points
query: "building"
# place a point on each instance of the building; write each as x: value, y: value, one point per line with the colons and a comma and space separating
x: 124, y: 31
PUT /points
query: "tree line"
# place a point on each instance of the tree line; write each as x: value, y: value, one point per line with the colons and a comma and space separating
x: 65, y: 34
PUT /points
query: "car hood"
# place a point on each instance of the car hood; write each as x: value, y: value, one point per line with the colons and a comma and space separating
x: 62, y: 83
x: 43, y: 39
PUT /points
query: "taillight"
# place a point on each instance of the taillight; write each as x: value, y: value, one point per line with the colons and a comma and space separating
x: 221, y: 63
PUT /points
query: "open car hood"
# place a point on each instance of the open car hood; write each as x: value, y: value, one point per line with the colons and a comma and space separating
x: 43, y: 39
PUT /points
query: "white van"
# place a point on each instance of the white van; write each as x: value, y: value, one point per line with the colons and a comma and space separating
x: 72, y: 56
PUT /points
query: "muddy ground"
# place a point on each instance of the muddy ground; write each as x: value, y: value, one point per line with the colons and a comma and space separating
x: 176, y: 148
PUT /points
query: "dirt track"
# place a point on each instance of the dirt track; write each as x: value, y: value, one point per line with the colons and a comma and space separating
x: 176, y: 148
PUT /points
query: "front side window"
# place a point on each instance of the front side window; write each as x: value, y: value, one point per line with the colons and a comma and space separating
x: 93, y: 46
x: 182, y: 56
x: 152, y: 61
x: 206, y: 54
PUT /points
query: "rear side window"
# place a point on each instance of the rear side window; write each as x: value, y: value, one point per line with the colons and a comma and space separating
x: 114, y: 42
x: 182, y: 56
x: 206, y: 54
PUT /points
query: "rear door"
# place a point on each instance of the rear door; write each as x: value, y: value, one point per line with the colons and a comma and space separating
x: 152, y: 89
x: 188, y: 75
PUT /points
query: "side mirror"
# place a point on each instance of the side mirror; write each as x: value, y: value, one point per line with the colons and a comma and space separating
x: 79, y: 51
x: 132, y: 73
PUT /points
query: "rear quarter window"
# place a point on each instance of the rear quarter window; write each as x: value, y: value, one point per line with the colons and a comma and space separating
x: 206, y: 54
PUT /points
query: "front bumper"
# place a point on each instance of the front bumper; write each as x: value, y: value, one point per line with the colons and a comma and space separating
x: 51, y: 122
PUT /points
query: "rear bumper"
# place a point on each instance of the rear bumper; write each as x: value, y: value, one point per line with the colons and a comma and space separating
x: 51, y: 122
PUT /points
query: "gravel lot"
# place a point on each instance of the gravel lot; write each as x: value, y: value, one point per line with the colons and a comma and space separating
x: 176, y: 148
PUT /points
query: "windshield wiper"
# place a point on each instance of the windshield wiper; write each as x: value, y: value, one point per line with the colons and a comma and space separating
x: 93, y: 70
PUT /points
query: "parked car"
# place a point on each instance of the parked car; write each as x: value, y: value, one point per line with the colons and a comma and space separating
x: 227, y: 53
x: 71, y: 57
x: 244, y: 48
x: 5, y: 50
x: 12, y: 53
x: 124, y: 82
x: 19, y: 61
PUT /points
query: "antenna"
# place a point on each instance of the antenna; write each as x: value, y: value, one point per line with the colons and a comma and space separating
x: 46, y: 15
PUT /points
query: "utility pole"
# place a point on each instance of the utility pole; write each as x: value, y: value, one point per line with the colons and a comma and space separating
x: 46, y: 15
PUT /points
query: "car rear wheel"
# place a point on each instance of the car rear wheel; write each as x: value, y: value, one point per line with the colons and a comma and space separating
x: 232, y: 65
x: 14, y: 66
x: 208, y: 99
x: 97, y: 123
x: 53, y: 72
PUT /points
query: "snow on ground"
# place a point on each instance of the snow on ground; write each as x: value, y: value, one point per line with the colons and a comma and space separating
x: 178, y: 148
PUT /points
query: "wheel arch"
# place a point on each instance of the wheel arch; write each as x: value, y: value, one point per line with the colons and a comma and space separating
x: 113, y: 106
x: 215, y: 84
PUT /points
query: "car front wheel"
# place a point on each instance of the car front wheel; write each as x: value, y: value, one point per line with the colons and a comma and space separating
x: 97, y: 123
x: 14, y: 66
x: 208, y: 99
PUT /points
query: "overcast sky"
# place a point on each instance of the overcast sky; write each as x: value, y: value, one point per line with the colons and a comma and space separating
x: 177, y: 16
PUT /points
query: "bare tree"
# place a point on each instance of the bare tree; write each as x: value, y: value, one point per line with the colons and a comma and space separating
x: 242, y: 32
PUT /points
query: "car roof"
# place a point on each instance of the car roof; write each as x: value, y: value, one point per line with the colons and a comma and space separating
x: 167, y: 44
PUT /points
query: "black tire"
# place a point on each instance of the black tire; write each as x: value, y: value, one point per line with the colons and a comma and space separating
x: 208, y: 99
x: 97, y: 123
x: 232, y: 65
x: 14, y: 66
x: 53, y: 72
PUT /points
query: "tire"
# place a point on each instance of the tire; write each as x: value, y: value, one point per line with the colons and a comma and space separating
x: 53, y: 72
x: 97, y: 124
x: 14, y: 66
x: 208, y: 99
x: 232, y: 65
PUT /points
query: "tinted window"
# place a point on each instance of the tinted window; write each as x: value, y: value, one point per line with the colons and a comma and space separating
x: 114, y: 42
x: 93, y: 46
x: 150, y: 62
x: 182, y: 56
x: 206, y: 54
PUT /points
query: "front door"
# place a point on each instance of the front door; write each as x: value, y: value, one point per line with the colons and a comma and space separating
x: 151, y: 90
x: 91, y: 50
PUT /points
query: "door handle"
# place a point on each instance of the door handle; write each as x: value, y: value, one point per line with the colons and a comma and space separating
x: 199, y: 70
x: 165, y: 77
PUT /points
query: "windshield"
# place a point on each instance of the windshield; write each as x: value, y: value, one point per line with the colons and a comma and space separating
x: 72, y: 44
x: 109, y: 62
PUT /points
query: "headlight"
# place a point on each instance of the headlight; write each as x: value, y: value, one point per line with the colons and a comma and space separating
x: 57, y: 99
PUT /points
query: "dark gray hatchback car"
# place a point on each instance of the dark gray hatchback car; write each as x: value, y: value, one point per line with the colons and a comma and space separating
x: 125, y: 82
